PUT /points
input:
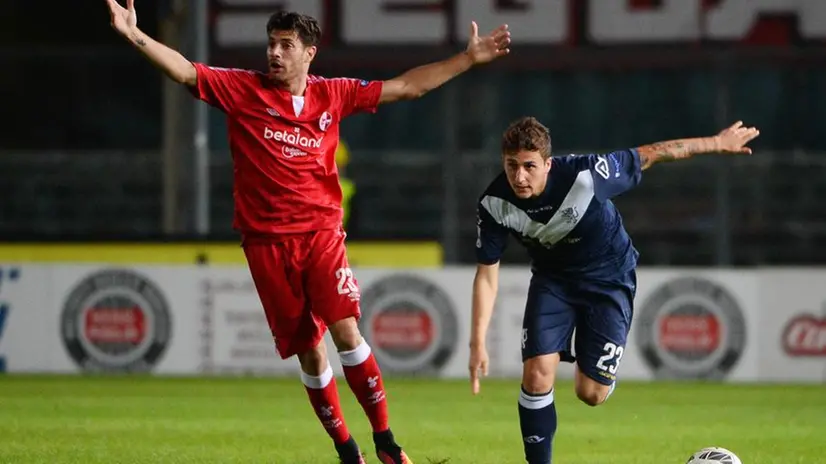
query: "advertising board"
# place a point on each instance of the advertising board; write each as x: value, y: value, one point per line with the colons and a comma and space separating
x: 689, y: 324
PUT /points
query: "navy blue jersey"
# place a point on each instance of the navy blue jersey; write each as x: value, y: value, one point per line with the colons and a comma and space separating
x: 573, y: 228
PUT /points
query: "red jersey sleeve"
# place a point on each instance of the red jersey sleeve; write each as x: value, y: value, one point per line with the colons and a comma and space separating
x: 221, y: 87
x: 357, y: 95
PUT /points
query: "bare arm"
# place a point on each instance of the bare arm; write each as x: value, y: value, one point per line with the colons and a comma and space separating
x: 420, y: 80
x: 673, y: 150
x: 731, y: 140
x: 485, y: 287
x: 172, y: 63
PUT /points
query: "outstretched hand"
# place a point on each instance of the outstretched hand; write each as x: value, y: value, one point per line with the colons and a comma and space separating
x: 734, y: 139
x: 123, y: 20
x: 487, y: 48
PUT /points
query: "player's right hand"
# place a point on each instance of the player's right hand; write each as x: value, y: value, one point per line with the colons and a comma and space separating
x: 123, y: 20
x: 478, y: 365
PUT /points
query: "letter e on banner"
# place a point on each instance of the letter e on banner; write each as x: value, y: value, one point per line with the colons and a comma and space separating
x: 388, y: 21
x: 534, y: 21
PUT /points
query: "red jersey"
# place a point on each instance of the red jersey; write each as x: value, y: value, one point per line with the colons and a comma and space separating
x: 283, y: 147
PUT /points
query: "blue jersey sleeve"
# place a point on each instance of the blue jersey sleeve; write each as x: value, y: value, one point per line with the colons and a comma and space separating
x: 615, y: 173
x: 491, y: 237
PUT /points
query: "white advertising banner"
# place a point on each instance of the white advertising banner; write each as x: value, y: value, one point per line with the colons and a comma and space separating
x: 233, y: 329
x: 792, y: 328
x: 688, y: 324
x: 413, y: 321
x: 694, y: 324
x: 728, y: 325
x: 417, y: 321
x: 66, y: 319
x: 27, y: 328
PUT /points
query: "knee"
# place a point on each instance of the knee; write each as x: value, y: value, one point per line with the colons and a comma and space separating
x: 314, y: 362
x: 538, y: 375
x: 352, y: 349
x: 346, y: 335
x: 592, y: 393
x: 589, y: 397
x: 536, y: 382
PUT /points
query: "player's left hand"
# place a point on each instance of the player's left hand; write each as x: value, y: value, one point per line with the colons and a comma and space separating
x: 487, y: 48
x: 734, y: 139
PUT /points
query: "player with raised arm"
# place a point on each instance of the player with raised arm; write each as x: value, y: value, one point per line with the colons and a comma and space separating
x: 283, y: 131
x: 582, y: 260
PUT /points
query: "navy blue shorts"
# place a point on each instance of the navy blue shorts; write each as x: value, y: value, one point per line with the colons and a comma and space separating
x: 586, y: 322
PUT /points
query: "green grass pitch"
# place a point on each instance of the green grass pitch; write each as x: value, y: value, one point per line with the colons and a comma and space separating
x: 47, y: 419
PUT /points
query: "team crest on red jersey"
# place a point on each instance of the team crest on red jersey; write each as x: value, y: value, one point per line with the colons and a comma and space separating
x: 325, y: 121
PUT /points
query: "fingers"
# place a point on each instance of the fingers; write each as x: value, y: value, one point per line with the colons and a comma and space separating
x: 482, y: 368
x: 500, y: 32
x: 130, y: 5
x: 474, y: 29
x: 474, y: 380
x: 746, y: 135
x: 501, y: 37
x: 751, y: 133
x: 502, y: 45
x: 737, y: 136
x: 497, y: 52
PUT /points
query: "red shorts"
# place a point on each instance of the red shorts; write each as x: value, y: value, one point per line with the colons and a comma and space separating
x: 304, y: 283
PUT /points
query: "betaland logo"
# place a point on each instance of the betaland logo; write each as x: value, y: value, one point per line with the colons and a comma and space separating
x: 293, y: 138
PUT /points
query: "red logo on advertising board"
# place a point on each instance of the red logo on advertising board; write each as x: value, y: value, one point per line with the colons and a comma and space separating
x: 690, y: 333
x: 805, y: 335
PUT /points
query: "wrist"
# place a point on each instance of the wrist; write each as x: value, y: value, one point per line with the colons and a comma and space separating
x: 716, y: 144
x: 477, y: 342
x: 465, y: 60
x: 134, y: 36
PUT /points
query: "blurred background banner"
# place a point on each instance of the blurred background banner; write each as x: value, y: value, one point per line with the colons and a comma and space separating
x: 100, y: 170
x: 690, y: 324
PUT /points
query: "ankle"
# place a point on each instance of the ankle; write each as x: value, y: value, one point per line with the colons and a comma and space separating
x: 384, y: 438
x: 348, y: 449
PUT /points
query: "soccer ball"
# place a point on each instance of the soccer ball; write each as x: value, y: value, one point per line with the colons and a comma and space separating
x: 713, y: 455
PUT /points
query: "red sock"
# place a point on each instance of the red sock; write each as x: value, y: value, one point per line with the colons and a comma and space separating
x: 324, y: 398
x: 364, y: 377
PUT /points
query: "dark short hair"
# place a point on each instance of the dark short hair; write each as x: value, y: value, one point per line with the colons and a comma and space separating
x: 306, y: 27
x: 526, y: 134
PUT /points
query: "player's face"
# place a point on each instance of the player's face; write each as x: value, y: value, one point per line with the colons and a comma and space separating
x: 287, y: 56
x: 527, y: 173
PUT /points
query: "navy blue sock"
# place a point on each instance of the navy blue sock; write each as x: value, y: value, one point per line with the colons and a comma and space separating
x: 537, y: 417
